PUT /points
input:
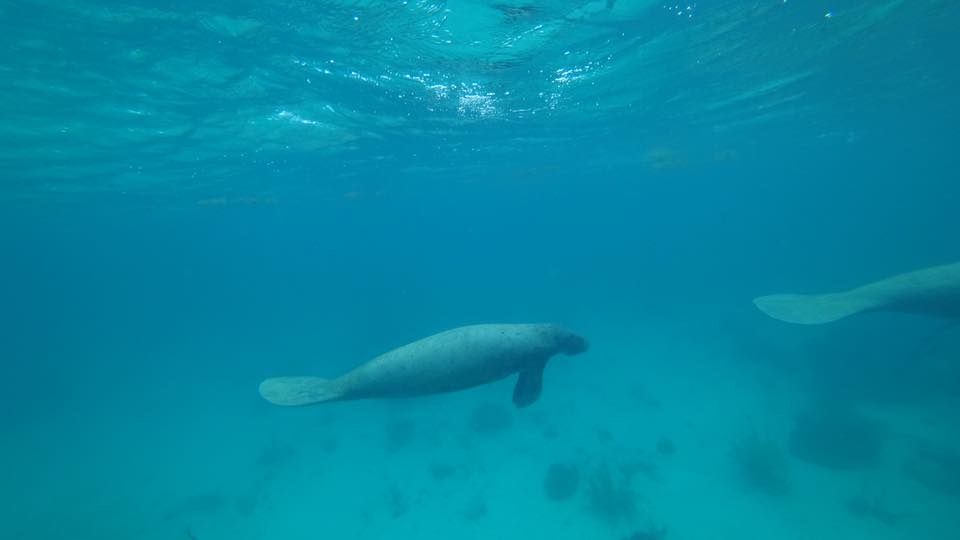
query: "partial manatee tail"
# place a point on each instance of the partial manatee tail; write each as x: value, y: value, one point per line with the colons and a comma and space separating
x: 298, y: 391
x: 811, y: 308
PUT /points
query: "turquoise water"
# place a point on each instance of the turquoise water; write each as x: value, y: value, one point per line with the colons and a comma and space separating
x: 198, y: 195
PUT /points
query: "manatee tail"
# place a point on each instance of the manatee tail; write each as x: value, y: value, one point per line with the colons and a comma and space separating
x: 299, y: 391
x: 812, y: 308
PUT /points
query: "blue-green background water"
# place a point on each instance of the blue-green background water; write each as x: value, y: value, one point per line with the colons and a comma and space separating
x: 195, y: 196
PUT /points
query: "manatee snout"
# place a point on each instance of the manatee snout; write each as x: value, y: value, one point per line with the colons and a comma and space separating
x: 571, y: 344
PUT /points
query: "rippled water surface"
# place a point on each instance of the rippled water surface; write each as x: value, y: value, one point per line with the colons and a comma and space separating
x: 135, y: 95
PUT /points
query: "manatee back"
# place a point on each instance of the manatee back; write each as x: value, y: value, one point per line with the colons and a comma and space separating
x: 452, y: 360
x: 931, y: 291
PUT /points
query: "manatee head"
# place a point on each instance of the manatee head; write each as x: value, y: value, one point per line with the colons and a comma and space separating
x: 567, y: 342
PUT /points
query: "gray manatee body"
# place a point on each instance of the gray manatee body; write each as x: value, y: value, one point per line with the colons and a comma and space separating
x: 931, y: 291
x: 446, y: 362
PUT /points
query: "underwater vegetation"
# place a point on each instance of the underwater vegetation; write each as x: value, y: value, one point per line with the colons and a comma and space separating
x: 762, y: 465
x: 936, y: 469
x: 940, y: 354
x: 489, y: 418
x: 871, y: 507
x: 644, y: 397
x: 835, y: 436
x: 648, y: 469
x: 273, y: 454
x: 400, y: 433
x: 666, y: 447
x: 561, y: 481
x: 440, y: 470
x: 197, y: 505
x: 651, y: 533
x: 550, y: 432
x: 204, y: 506
x: 610, y: 495
x: 329, y: 445
x: 476, y: 509
x: 246, y: 504
x: 604, y: 435
x: 397, y: 501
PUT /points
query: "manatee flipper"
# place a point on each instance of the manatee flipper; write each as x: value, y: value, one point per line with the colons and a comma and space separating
x: 529, y: 384
x: 298, y: 391
x: 813, y: 308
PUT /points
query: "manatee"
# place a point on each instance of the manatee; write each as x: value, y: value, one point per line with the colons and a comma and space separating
x: 446, y: 362
x: 931, y: 291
